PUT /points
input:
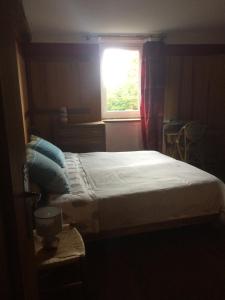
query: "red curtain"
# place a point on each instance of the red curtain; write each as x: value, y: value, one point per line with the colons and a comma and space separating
x: 152, y: 94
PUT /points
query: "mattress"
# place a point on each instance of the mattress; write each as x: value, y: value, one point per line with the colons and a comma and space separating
x: 117, y: 190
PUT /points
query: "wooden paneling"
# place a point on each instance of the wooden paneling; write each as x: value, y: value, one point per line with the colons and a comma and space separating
x: 5, y: 279
x: 194, y: 49
x: 63, y: 75
x: 196, y: 91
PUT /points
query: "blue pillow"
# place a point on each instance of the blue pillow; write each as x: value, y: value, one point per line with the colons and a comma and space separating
x: 46, y: 173
x: 48, y: 149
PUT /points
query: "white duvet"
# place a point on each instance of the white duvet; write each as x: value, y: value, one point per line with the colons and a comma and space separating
x: 115, y: 190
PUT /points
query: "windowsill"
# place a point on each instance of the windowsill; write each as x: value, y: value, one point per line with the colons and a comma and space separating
x: 121, y: 120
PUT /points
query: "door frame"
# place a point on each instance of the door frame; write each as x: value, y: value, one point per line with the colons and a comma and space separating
x: 18, y: 274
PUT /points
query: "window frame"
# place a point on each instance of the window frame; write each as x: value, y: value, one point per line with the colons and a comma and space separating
x: 119, y: 114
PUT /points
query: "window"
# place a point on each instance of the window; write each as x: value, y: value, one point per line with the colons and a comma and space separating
x: 120, y: 78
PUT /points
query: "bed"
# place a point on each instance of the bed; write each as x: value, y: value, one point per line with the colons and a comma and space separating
x: 135, y: 191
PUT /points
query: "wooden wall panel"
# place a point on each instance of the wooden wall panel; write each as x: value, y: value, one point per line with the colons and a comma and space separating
x: 63, y: 75
x: 173, y: 65
x: 196, y: 91
x: 185, y: 88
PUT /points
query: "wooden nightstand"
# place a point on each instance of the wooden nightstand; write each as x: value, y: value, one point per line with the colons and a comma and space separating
x: 61, y: 271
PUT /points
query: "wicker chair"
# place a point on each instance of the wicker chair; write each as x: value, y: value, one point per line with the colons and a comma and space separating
x: 170, y: 132
x: 189, y: 143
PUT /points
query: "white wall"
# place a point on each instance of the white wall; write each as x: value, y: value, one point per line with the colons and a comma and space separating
x: 123, y: 136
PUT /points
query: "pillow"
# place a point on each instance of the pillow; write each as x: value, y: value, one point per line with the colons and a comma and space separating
x: 46, y: 173
x: 48, y: 149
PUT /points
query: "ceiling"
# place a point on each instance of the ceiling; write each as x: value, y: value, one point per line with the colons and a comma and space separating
x: 67, y: 18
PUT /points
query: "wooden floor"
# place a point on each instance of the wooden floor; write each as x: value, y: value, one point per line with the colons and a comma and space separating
x: 185, y: 264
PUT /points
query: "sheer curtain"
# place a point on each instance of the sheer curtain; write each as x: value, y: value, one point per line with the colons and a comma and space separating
x: 152, y: 94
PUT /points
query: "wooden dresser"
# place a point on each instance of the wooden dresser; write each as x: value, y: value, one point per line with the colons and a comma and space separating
x: 80, y: 137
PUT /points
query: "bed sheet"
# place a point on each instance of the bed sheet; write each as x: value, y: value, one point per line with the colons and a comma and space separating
x: 115, y: 190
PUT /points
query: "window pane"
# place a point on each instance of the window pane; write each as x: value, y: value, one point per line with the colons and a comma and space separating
x: 120, y: 70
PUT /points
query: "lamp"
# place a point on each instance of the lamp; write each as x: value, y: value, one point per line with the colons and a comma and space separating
x: 48, y: 222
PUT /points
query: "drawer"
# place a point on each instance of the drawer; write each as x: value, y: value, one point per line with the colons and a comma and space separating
x: 69, y: 292
x: 81, y: 141
x: 81, y: 132
x: 60, y: 276
x: 79, y: 148
x: 68, y: 144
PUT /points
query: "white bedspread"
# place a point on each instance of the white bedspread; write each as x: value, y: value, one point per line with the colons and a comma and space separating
x: 112, y: 190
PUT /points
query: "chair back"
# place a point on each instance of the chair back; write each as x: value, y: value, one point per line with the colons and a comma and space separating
x: 189, y: 142
x: 194, y: 131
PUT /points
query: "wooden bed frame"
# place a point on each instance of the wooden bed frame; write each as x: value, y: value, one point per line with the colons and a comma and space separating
x: 151, y: 227
x: 148, y: 227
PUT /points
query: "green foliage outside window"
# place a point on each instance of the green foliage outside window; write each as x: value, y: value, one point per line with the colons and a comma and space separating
x: 125, y: 97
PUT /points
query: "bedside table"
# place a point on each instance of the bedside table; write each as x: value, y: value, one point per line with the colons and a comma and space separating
x: 61, y: 270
